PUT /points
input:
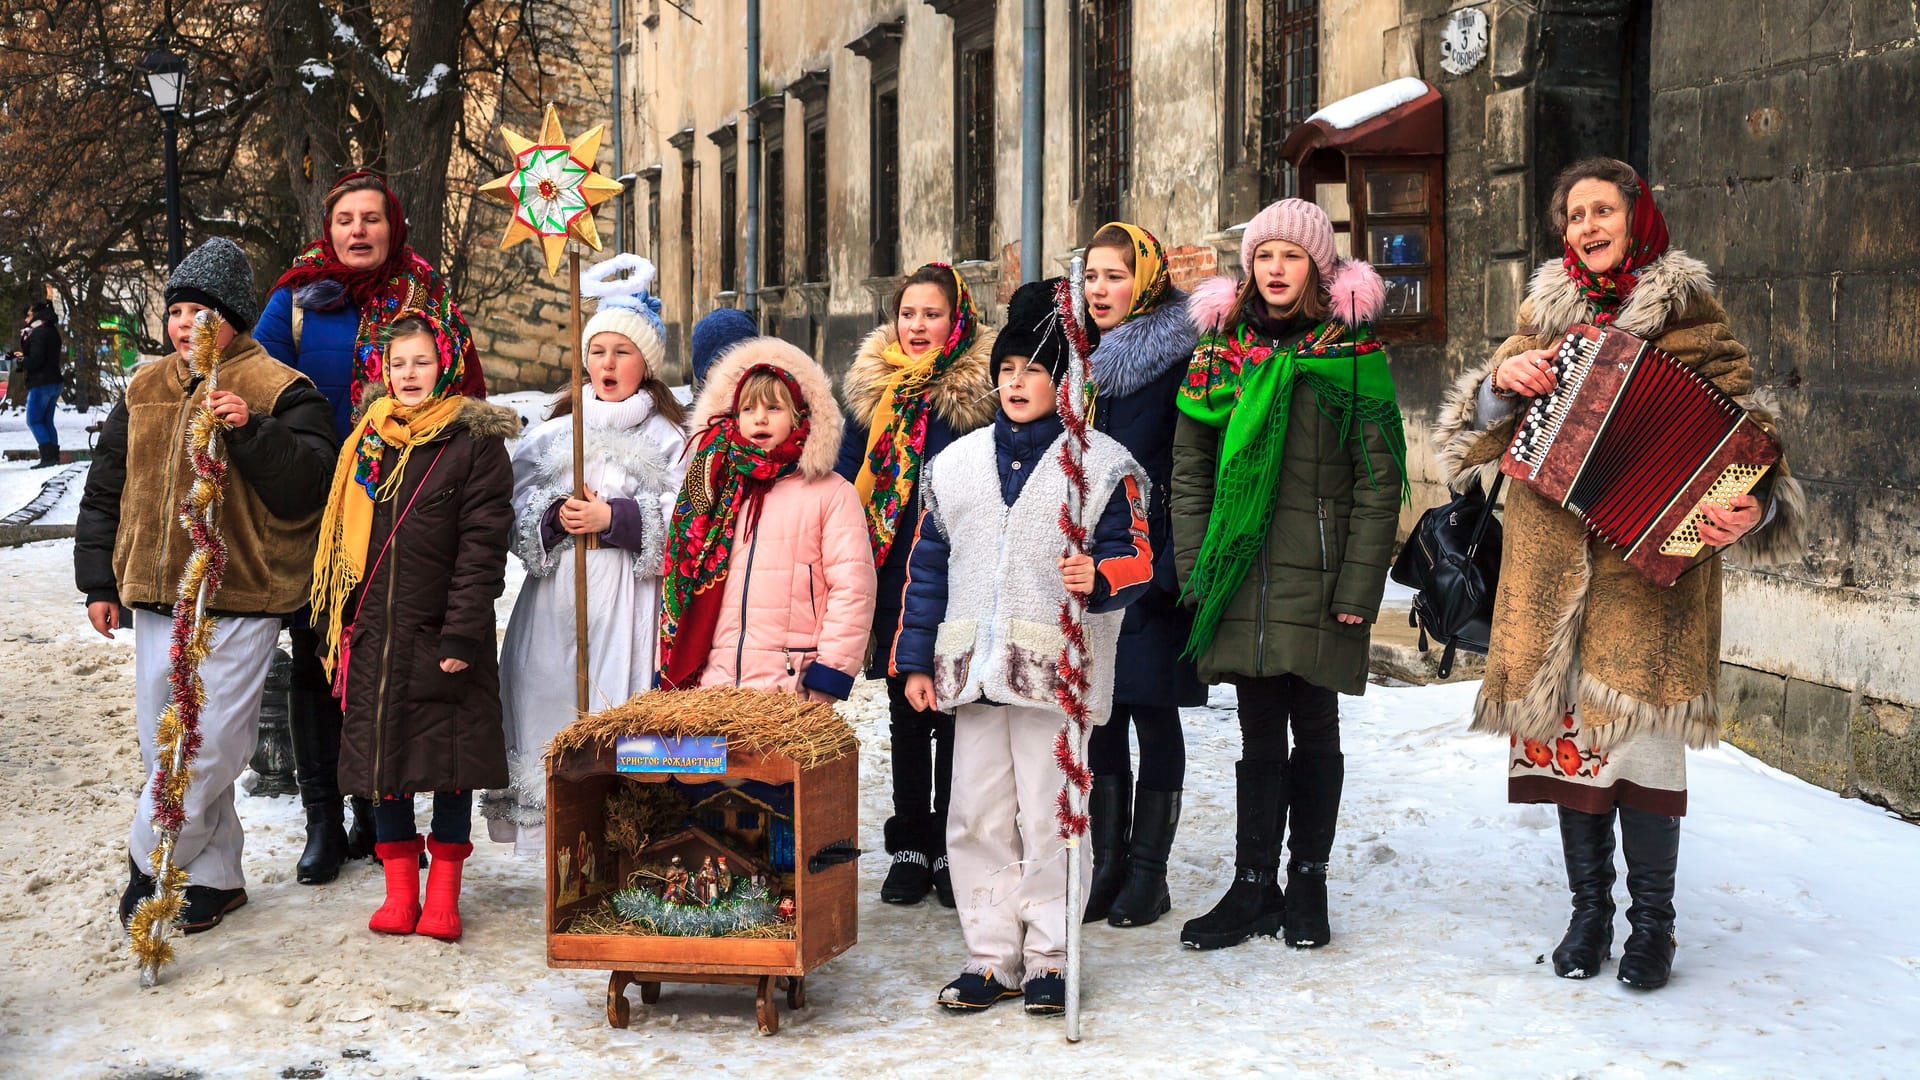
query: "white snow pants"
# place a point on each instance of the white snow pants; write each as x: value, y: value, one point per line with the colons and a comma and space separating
x: 1003, y: 844
x: 234, y: 673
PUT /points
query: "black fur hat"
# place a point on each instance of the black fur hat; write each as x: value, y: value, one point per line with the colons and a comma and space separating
x: 1032, y: 329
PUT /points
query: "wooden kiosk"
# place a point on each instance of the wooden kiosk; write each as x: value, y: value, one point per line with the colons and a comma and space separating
x: 796, y: 809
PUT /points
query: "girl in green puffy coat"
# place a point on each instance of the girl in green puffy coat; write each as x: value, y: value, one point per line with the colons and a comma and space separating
x: 1288, y: 477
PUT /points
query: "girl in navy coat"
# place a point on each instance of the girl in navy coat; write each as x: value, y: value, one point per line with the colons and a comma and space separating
x: 1144, y: 342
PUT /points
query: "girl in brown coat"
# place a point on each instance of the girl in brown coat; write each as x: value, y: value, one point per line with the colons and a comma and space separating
x: 413, y: 554
x: 1599, y: 678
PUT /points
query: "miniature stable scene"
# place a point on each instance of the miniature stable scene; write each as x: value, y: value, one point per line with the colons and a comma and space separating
x: 702, y: 836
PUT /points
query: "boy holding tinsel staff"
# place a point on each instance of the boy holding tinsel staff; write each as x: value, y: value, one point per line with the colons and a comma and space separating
x: 199, y: 514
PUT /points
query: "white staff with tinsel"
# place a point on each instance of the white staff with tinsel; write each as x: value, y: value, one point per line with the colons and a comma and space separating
x: 177, y: 738
x: 1070, y: 689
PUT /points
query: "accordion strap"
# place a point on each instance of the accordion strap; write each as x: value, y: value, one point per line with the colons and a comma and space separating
x: 1486, y: 513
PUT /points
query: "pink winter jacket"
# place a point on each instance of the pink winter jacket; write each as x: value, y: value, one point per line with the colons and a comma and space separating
x: 800, y: 588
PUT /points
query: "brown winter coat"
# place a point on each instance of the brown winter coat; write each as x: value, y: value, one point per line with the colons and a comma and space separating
x: 1572, y: 621
x: 268, y: 556
x: 410, y: 727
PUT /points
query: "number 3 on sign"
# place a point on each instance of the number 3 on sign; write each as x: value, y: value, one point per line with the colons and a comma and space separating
x: 1463, y: 41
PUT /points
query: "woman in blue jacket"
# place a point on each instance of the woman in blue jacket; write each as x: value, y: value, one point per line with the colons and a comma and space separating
x: 326, y: 317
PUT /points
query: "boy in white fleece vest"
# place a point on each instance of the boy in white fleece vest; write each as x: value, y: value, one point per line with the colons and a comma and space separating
x: 980, y: 636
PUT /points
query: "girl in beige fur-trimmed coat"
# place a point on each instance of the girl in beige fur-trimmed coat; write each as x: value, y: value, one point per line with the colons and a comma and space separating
x: 1599, y: 678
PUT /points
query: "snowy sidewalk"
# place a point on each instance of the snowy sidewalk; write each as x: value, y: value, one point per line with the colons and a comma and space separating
x: 1799, y: 951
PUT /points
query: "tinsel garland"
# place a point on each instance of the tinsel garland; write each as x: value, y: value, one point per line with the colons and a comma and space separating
x: 746, y: 906
x: 1070, y: 689
x: 177, y: 737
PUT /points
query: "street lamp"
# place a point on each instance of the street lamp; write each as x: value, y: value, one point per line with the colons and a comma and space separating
x: 167, y: 83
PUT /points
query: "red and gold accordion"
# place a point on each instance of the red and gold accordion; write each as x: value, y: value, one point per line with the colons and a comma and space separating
x: 1635, y: 443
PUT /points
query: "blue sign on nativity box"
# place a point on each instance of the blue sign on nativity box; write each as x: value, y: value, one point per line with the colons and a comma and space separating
x: 671, y: 753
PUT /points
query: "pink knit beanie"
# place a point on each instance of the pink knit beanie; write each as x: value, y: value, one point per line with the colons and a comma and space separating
x: 1296, y: 221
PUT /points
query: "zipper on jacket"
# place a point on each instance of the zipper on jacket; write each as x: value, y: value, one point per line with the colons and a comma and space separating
x: 1320, y: 507
x: 386, y: 655
x: 746, y: 583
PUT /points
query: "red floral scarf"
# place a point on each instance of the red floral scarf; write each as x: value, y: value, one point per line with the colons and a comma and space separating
x: 403, y: 285
x: 726, y: 481
x: 1646, y: 241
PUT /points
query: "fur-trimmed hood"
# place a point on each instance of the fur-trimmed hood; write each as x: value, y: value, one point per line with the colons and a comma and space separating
x: 1355, y: 293
x: 716, y: 397
x: 1140, y: 350
x: 476, y: 415
x: 963, y: 395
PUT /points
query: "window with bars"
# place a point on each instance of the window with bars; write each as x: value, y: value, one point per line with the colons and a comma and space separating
x: 773, y: 211
x: 1289, y: 85
x: 816, y: 197
x: 1106, y: 37
x: 884, y: 259
x: 729, y: 224
x: 973, y: 98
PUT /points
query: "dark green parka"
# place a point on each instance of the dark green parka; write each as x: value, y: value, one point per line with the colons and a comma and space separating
x: 1327, y: 549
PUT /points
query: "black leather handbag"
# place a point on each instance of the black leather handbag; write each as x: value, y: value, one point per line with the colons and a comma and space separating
x: 1452, y: 561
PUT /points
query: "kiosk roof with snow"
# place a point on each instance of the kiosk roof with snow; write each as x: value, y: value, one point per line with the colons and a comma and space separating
x: 1399, y: 117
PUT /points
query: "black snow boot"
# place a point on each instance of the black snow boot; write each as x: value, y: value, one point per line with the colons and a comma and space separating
x: 1110, y: 818
x: 910, y: 877
x: 139, y: 887
x: 1652, y: 845
x: 1254, y: 903
x: 313, y: 724
x: 1314, y: 787
x: 1156, y: 817
x: 360, y: 834
x: 49, y: 456
x: 1587, y: 842
x: 942, y: 872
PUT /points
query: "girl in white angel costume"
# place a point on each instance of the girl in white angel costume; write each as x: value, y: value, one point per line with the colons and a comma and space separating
x: 633, y: 444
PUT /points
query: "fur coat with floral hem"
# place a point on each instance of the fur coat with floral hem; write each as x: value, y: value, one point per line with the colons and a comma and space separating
x: 962, y: 400
x: 1574, y: 626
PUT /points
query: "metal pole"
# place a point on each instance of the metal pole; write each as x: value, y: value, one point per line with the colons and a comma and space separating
x: 173, y: 191
x: 619, y: 158
x: 750, y: 274
x: 1033, y: 92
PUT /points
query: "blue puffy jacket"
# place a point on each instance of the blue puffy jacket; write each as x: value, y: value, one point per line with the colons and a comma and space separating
x: 1138, y: 367
x: 324, y: 353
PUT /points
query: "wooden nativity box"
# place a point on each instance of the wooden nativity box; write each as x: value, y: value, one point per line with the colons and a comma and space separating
x: 783, y: 832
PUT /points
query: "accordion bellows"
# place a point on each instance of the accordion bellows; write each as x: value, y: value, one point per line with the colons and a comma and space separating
x: 1635, y: 443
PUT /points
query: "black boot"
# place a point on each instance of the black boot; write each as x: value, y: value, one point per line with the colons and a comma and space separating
x: 1652, y: 845
x: 1156, y: 816
x: 49, y: 456
x: 910, y: 877
x: 1253, y: 903
x: 1110, y: 820
x: 1587, y: 843
x: 1314, y: 787
x: 360, y: 837
x: 139, y: 886
x: 326, y: 843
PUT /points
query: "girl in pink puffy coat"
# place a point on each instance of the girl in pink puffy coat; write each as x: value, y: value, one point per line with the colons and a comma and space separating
x: 769, y: 578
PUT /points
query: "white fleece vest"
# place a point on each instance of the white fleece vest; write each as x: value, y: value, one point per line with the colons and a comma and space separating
x: 1001, y: 637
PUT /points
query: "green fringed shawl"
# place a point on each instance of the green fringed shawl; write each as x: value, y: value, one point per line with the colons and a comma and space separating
x: 1240, y: 384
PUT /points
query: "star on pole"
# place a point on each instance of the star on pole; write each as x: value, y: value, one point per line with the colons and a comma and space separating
x: 552, y: 188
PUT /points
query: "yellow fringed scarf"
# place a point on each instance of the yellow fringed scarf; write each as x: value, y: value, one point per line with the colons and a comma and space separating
x: 347, y: 527
x: 910, y: 377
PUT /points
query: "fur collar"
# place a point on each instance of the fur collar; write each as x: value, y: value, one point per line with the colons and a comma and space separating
x: 1666, y: 288
x: 1133, y: 354
x: 481, y: 419
x: 963, y: 396
x: 630, y: 450
x: 716, y: 396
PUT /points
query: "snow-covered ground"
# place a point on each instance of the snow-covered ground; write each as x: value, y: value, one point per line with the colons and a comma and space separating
x: 1799, y: 947
x: 20, y: 482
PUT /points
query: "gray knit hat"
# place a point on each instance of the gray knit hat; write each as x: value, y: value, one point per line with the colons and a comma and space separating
x: 217, y: 275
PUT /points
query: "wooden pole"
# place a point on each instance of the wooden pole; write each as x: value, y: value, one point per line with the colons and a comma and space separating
x: 576, y: 376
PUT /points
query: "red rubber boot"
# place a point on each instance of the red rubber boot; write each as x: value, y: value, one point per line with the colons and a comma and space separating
x: 400, y: 860
x: 440, y: 918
